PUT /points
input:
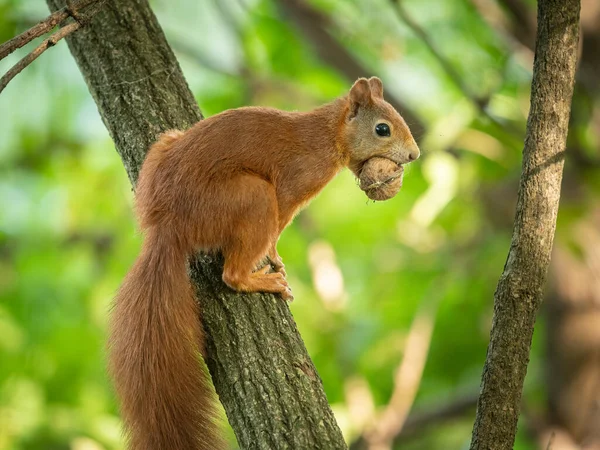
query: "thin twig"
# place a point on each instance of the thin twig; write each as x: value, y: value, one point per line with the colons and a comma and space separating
x: 316, y: 27
x: 479, y: 102
x: 50, y: 42
x: 446, y: 65
x: 551, y: 440
x: 230, y: 21
x: 408, y: 376
x: 71, y: 10
x: 523, y: 20
x: 496, y: 19
x: 421, y: 420
x: 406, y: 383
x: 418, y: 422
x: 43, y: 27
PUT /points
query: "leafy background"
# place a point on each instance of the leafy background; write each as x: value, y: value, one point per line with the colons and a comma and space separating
x: 370, y: 279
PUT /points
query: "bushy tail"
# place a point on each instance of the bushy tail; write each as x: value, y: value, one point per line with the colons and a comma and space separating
x: 166, y: 400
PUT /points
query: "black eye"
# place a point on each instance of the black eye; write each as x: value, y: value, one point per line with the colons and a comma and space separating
x: 382, y: 129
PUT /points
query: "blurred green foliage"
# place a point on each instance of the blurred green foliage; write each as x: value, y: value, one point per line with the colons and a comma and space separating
x: 361, y: 271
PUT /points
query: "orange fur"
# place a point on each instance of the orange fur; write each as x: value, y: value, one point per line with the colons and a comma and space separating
x: 231, y: 183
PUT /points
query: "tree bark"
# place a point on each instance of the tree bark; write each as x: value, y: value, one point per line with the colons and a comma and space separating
x: 272, y: 394
x: 520, y: 289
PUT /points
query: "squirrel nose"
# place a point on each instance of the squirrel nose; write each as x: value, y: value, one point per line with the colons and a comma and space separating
x: 414, y: 153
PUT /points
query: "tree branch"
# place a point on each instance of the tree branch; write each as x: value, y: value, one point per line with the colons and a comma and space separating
x: 454, y: 76
x: 419, y: 421
x: 313, y: 24
x: 406, y: 380
x: 50, y: 42
x: 523, y: 20
x: 43, y: 27
x: 480, y: 103
x: 46, y: 25
x: 524, y: 26
x: 262, y: 372
x: 519, y: 292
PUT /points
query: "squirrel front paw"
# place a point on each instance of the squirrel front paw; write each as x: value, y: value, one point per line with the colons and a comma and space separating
x: 277, y: 263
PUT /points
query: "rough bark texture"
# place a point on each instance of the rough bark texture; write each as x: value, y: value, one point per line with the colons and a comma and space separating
x: 520, y: 289
x: 572, y: 304
x: 255, y: 351
x: 133, y: 77
x: 272, y: 394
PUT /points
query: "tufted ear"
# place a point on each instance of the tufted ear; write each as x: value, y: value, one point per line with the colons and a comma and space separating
x: 376, y: 87
x: 360, y: 96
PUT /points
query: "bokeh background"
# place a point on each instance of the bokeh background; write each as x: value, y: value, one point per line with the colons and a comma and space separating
x: 393, y: 299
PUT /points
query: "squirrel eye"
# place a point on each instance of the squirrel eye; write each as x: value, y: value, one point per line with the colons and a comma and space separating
x: 382, y: 129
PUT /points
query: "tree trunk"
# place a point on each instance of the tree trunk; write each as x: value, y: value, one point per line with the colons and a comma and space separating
x: 520, y: 289
x: 271, y: 391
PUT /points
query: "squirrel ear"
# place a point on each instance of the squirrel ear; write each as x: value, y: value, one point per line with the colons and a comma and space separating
x: 360, y: 95
x: 376, y: 87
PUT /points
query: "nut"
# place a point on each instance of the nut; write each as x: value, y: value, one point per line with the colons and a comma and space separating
x: 380, y: 178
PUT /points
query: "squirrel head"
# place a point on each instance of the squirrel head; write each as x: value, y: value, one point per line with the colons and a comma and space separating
x: 372, y: 127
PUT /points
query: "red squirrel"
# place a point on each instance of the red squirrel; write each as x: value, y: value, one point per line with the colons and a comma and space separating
x: 231, y: 183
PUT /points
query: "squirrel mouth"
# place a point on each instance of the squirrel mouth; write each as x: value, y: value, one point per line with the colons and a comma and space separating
x: 358, y: 167
x: 399, y: 164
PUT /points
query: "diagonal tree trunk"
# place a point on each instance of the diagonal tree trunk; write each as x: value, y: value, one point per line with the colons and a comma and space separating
x: 271, y: 391
x: 520, y: 289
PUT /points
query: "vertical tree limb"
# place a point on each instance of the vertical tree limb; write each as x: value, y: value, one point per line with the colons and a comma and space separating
x: 519, y: 292
x: 271, y: 391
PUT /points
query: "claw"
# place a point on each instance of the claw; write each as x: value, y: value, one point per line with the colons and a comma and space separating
x: 287, y: 295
